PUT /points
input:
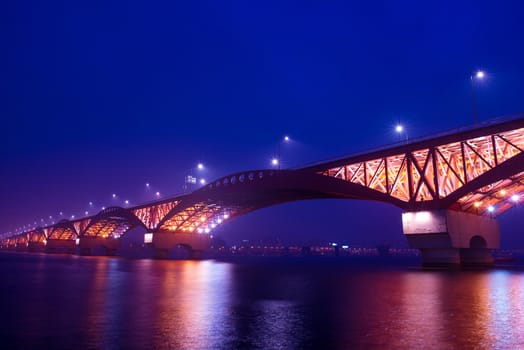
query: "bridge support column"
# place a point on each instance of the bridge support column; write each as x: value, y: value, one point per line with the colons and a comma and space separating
x: 194, y: 243
x: 452, y: 238
x: 60, y: 246
x: 36, y: 247
x: 97, y: 246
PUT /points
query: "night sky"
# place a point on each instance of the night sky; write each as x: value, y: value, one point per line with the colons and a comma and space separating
x: 102, y: 97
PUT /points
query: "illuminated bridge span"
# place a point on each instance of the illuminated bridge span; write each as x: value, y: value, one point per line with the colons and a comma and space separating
x: 451, y: 187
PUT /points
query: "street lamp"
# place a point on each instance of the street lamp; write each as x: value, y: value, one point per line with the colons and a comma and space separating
x: 190, y: 180
x: 277, y: 161
x: 478, y: 75
x: 400, y: 129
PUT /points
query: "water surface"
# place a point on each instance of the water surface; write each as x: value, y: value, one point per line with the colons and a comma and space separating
x: 55, y: 301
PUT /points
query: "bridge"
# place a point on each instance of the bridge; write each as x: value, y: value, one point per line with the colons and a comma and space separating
x: 451, y: 188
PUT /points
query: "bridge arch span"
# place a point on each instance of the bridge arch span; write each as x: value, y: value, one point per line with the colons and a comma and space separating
x: 104, y: 230
x: 240, y: 193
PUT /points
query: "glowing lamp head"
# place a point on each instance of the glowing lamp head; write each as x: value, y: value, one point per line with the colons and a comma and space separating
x: 515, y: 198
x: 399, y: 128
x: 479, y: 74
x: 127, y: 202
x: 274, y: 161
x: 157, y: 194
x: 200, y: 166
x: 491, y: 209
x: 286, y: 138
x: 114, y: 195
x: 202, y: 181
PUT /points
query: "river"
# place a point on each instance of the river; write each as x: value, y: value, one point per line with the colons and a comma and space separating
x: 72, y: 302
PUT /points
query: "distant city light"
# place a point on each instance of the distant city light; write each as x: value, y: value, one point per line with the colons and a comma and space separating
x: 477, y: 204
x: 72, y: 216
x: 200, y: 166
x: 147, y: 184
x: 515, y: 198
x: 491, y: 209
x: 226, y: 216
x: 86, y: 212
x: 479, y: 74
x: 61, y: 213
x: 502, y: 192
x: 286, y: 138
x: 90, y: 204
x: 127, y: 202
x: 274, y: 161
x: 114, y: 195
x: 157, y: 194
x: 103, y: 208
x: 202, y: 181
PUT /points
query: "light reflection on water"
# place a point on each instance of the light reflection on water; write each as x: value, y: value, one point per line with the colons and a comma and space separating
x: 107, y: 303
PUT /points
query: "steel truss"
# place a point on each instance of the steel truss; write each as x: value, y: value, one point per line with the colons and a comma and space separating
x: 431, y: 174
x: 200, y: 217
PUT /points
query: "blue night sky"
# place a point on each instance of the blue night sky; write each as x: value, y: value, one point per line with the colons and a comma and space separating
x: 100, y: 97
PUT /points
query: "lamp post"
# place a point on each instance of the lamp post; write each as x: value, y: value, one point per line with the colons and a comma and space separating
x: 277, y: 161
x: 478, y: 75
x: 190, y: 180
x: 400, y: 129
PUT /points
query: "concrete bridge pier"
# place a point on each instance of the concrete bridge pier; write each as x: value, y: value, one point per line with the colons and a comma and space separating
x: 193, y: 243
x: 451, y: 238
x: 60, y: 246
x: 98, y: 246
x: 36, y: 247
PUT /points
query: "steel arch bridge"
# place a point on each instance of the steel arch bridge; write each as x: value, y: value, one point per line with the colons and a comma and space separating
x: 478, y: 171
